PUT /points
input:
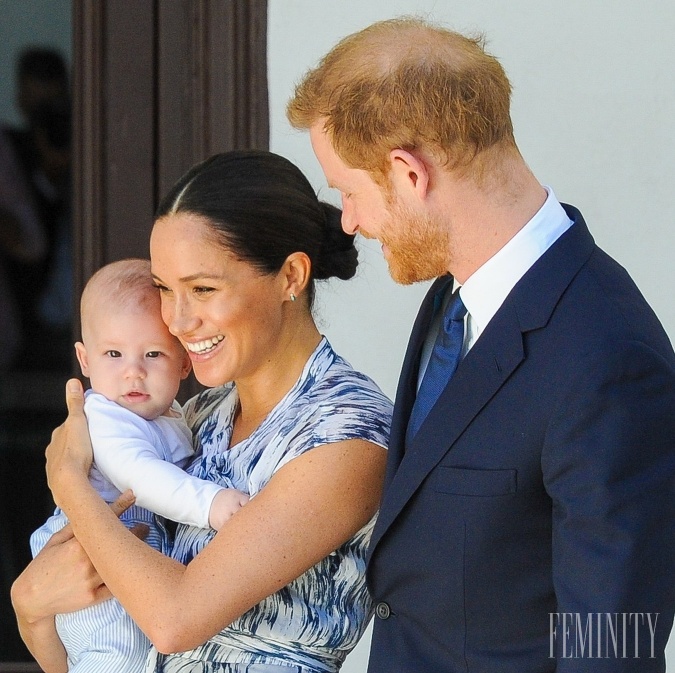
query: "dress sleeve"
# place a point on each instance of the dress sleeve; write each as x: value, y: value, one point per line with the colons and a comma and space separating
x: 125, y: 453
x: 345, y: 408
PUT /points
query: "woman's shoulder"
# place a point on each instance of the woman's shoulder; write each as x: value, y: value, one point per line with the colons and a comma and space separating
x: 340, y: 381
x: 340, y: 404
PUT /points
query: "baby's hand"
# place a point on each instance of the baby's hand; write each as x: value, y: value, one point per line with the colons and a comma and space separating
x: 224, y: 505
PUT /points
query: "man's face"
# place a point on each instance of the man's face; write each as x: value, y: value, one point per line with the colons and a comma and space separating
x: 413, y: 243
x: 364, y: 202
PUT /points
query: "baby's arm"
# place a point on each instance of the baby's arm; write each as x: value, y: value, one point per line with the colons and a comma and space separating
x: 126, y: 456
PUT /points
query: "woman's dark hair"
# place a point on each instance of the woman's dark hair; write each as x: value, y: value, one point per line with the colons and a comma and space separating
x: 262, y: 208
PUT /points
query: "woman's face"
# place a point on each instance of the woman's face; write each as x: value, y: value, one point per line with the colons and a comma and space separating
x: 226, y: 313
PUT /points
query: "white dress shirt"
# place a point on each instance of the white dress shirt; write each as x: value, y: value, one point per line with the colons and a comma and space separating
x: 487, y: 288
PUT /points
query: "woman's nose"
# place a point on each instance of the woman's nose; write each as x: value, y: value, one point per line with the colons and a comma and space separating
x: 179, y: 317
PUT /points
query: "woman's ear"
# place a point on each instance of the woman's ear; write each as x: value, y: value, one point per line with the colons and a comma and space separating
x: 409, y: 173
x: 81, y: 353
x: 295, y: 275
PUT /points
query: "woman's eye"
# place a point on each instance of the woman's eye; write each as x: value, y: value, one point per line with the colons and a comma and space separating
x: 113, y: 354
x: 201, y: 289
x: 162, y: 288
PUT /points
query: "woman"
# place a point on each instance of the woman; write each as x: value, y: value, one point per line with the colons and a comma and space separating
x: 236, y: 247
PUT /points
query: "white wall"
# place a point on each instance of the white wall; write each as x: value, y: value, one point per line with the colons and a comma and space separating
x: 594, y: 111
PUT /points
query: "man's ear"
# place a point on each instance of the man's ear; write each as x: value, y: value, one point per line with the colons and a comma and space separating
x: 81, y: 353
x: 186, y: 365
x: 409, y: 173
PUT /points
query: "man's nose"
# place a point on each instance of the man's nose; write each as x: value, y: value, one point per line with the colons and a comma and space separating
x: 349, y: 224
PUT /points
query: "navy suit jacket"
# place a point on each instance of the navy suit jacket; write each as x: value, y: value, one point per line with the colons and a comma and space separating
x: 539, y: 493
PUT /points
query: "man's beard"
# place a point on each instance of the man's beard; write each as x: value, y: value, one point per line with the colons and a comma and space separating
x: 418, y: 246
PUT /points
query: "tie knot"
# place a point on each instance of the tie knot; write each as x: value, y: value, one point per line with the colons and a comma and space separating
x: 455, y: 310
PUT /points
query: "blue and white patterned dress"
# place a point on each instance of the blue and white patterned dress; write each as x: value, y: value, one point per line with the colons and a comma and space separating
x: 313, y: 623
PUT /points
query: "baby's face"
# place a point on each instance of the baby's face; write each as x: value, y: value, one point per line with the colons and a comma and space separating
x: 131, y: 358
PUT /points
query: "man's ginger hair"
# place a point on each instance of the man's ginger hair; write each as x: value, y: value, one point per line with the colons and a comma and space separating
x: 407, y: 84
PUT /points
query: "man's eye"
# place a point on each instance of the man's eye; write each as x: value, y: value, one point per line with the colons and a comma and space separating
x: 113, y: 354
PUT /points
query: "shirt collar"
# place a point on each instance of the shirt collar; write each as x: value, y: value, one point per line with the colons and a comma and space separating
x: 487, y: 288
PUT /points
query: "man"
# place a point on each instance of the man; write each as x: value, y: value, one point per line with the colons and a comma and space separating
x: 527, y: 520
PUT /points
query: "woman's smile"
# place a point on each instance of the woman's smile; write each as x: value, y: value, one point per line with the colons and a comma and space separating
x: 205, y: 346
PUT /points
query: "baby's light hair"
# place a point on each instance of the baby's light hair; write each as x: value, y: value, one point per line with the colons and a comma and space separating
x: 126, y: 283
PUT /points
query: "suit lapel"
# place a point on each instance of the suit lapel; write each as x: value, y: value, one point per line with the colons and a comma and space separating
x: 488, y: 365
x: 407, y: 383
x: 479, y: 376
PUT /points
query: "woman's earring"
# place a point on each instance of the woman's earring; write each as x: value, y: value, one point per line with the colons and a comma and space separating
x: 293, y: 297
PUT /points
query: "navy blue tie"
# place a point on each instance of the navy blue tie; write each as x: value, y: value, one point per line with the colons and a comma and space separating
x: 443, y: 362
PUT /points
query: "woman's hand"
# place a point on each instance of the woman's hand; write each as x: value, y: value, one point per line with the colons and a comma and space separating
x: 69, y: 454
x: 61, y: 578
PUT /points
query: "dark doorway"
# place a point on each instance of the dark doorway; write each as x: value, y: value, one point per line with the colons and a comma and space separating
x: 157, y: 86
x: 35, y: 272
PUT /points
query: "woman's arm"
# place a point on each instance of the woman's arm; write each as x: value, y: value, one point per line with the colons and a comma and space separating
x: 33, y: 607
x: 309, y: 508
x: 44, y: 644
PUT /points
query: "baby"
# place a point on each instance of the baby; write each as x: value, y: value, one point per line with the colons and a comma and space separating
x: 140, y: 441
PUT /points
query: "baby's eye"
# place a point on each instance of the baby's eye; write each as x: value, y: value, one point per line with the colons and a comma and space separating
x: 113, y: 354
x: 153, y: 354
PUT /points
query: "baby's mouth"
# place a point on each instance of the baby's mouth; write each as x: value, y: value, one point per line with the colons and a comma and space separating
x: 205, y: 346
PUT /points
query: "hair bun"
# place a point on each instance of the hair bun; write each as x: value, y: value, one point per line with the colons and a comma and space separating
x: 338, y: 256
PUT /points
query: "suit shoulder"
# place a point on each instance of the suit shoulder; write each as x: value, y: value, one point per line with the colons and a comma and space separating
x: 603, y: 303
